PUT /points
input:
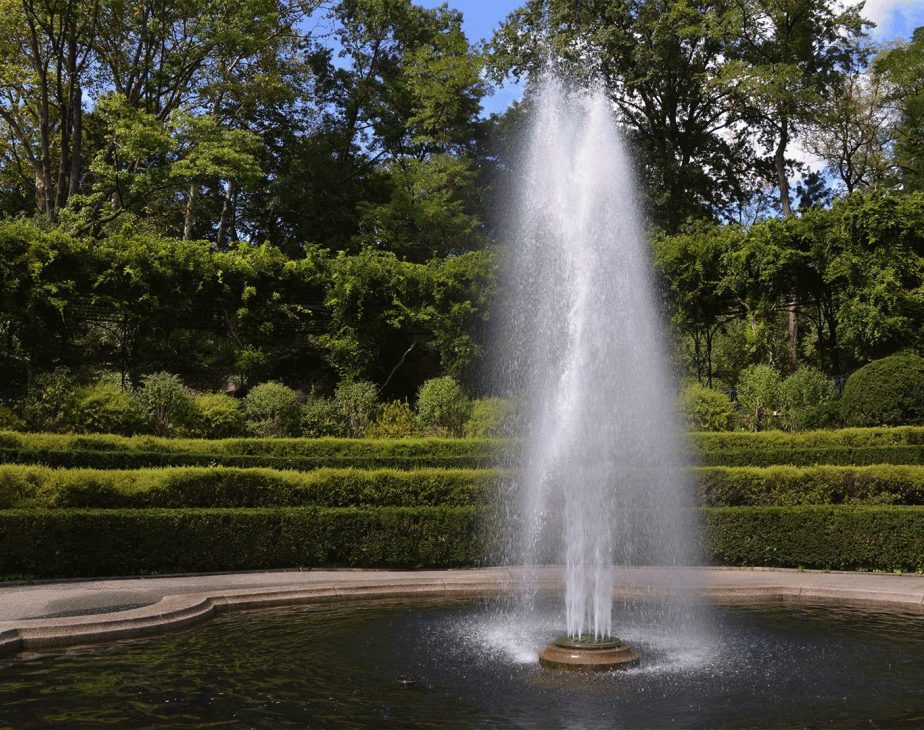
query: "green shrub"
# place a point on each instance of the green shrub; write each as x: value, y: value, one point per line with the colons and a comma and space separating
x: 105, y: 408
x: 443, y: 407
x: 79, y: 542
x: 39, y: 486
x: 70, y: 543
x: 396, y: 421
x: 822, y: 537
x: 807, y: 400
x: 9, y: 421
x: 166, y: 401
x: 887, y: 392
x: 212, y: 416
x: 491, y: 418
x: 758, y: 396
x: 357, y: 403
x: 49, y: 398
x: 790, y: 485
x: 272, y: 410
x: 320, y: 418
x: 705, y: 409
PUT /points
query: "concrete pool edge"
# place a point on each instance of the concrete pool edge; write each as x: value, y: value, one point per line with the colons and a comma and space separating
x: 176, y: 602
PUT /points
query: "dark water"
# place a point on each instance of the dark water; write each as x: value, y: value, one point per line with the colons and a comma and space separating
x: 424, y: 666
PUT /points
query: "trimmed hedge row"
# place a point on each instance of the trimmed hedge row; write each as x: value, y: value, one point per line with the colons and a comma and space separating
x: 823, y: 439
x: 823, y: 537
x: 840, y: 456
x: 69, y: 543
x: 24, y: 487
x: 93, y: 459
x: 789, y: 485
x: 320, y: 448
x: 846, y: 446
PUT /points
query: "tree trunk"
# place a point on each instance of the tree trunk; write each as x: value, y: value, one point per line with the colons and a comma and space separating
x: 792, y: 315
x: 224, y: 222
x: 190, y: 218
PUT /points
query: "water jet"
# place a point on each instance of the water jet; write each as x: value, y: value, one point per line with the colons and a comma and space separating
x: 599, y: 470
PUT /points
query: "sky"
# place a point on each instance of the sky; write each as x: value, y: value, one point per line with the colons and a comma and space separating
x: 895, y: 20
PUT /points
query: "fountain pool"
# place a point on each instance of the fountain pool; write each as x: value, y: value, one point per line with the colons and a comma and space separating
x: 462, y: 664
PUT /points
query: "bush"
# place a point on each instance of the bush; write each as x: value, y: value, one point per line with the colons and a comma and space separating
x: 789, y: 485
x: 165, y: 400
x: 396, y: 421
x: 42, y: 487
x: 705, y: 409
x: 887, y: 392
x: 826, y: 538
x: 272, y: 410
x: 212, y: 416
x: 105, y: 408
x: 357, y: 403
x: 807, y: 400
x: 758, y: 395
x: 491, y: 418
x: 48, y: 401
x: 443, y: 407
x: 9, y: 421
x: 319, y: 418
x: 70, y: 543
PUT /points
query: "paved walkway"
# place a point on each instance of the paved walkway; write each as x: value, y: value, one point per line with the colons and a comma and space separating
x: 53, y: 614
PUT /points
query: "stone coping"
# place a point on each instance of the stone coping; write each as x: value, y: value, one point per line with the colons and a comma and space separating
x: 46, y: 616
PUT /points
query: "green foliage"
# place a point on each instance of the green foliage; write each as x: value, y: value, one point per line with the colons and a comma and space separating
x: 42, y: 487
x: 759, y: 396
x: 9, y: 421
x: 887, y: 392
x: 807, y: 400
x: 443, y: 407
x: 272, y: 410
x: 790, y: 485
x: 119, y: 542
x: 48, y: 400
x: 491, y: 417
x: 105, y: 408
x: 705, y: 409
x: 165, y: 400
x: 356, y: 403
x: 320, y: 417
x: 212, y: 416
x: 822, y: 537
x: 396, y: 420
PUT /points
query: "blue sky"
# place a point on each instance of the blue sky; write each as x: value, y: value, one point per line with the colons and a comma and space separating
x: 895, y: 20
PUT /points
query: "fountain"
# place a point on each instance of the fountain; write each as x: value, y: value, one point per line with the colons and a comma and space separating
x: 599, y: 474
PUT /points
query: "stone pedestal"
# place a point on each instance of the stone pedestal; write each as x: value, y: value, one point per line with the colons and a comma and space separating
x: 587, y: 654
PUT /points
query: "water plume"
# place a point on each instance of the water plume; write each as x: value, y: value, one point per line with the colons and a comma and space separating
x: 599, y: 480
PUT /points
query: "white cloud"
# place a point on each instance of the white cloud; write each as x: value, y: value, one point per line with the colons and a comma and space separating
x: 895, y: 19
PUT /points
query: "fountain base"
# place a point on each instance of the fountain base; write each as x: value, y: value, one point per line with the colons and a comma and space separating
x: 587, y: 654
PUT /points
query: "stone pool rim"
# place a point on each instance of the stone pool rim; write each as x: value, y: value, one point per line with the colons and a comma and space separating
x: 199, y: 597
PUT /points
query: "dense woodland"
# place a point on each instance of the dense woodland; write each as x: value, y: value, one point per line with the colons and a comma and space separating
x: 303, y: 191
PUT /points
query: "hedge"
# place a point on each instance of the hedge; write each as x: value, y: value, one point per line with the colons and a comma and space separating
x: 846, y: 446
x: 823, y: 537
x: 71, y: 543
x: 97, y: 459
x: 23, y: 486
x: 788, y: 485
x: 823, y: 439
x: 41, y: 487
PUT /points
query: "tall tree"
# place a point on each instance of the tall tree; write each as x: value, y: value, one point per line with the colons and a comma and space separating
x: 901, y: 69
x: 659, y: 61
